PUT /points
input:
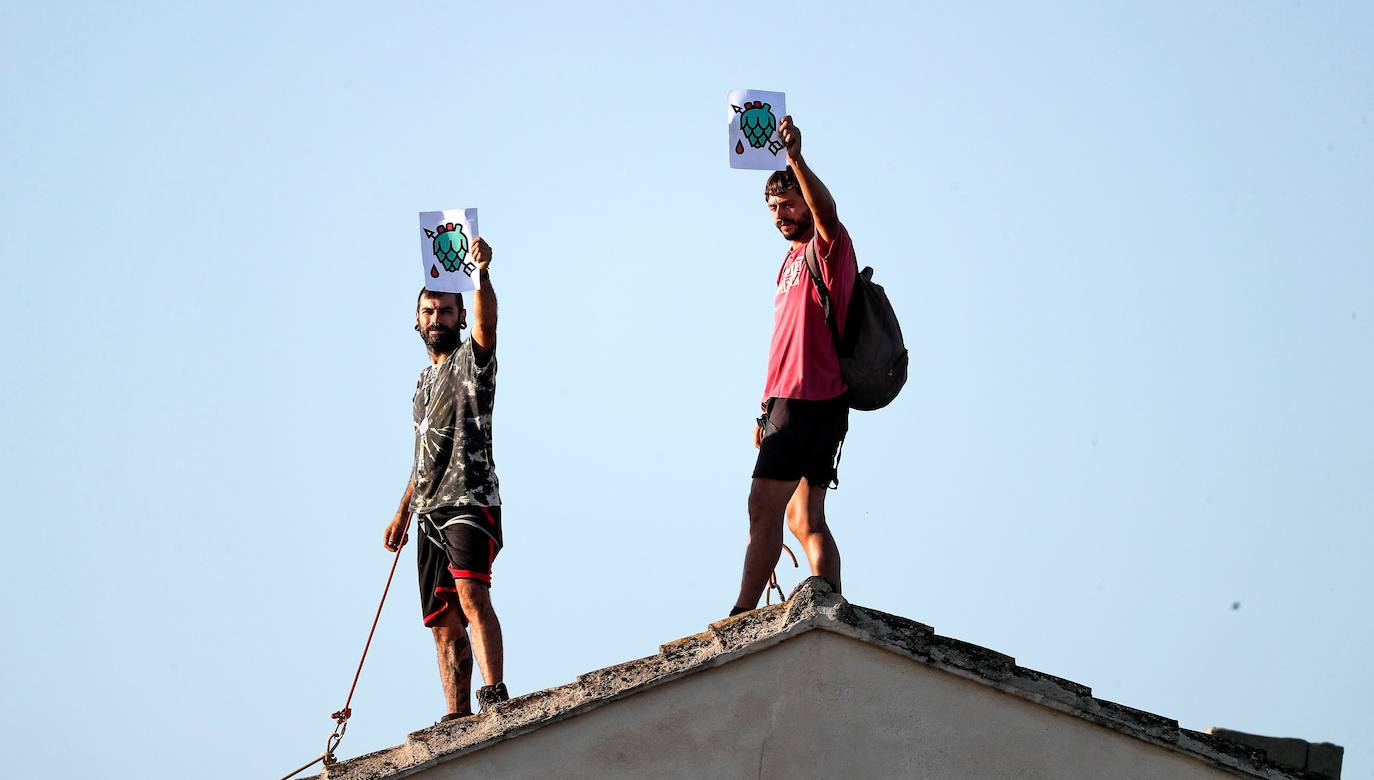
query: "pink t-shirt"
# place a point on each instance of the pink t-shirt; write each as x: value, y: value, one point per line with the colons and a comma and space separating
x: 801, y: 357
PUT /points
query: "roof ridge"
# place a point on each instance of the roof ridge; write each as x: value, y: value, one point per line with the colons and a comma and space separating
x: 812, y: 605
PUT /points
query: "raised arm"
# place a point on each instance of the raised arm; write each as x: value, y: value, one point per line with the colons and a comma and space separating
x: 484, y: 303
x: 817, y: 197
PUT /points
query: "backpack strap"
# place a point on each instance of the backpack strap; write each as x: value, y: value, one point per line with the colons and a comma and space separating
x: 814, y: 267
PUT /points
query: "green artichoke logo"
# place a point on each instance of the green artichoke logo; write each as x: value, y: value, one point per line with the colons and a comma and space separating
x: 450, y: 246
x: 757, y: 124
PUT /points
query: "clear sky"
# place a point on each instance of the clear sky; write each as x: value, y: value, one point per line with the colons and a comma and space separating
x: 1132, y: 246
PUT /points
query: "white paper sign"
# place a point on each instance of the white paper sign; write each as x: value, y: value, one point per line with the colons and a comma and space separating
x: 446, y: 239
x: 754, y: 141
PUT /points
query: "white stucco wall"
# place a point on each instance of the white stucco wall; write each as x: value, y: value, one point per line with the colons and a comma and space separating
x: 823, y: 705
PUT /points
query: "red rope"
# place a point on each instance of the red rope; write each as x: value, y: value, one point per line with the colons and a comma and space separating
x: 346, y: 713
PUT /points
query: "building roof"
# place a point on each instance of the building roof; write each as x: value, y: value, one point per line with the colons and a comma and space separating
x: 814, y: 606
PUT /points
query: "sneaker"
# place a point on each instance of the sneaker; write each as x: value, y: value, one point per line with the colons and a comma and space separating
x: 491, y: 695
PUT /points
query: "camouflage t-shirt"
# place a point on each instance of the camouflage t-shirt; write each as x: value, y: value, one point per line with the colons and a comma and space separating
x: 453, y: 462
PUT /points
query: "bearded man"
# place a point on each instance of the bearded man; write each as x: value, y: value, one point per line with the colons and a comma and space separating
x: 805, y: 415
x: 453, y: 491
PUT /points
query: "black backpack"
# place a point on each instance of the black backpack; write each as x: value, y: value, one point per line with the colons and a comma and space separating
x: 873, y: 359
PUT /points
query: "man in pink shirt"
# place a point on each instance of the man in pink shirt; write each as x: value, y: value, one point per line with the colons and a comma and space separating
x: 805, y: 413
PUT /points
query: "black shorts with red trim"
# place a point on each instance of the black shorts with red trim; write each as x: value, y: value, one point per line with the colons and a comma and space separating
x: 458, y: 543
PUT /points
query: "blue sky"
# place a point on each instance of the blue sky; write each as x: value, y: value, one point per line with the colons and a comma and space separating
x: 1131, y: 246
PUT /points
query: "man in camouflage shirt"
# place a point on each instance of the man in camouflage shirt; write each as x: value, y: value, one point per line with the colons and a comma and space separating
x: 453, y: 490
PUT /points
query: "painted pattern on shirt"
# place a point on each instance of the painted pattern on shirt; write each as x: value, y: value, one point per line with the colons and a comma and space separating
x: 452, y: 414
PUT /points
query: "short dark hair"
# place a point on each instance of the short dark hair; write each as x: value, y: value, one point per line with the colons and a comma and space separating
x: 780, y: 182
x: 425, y: 291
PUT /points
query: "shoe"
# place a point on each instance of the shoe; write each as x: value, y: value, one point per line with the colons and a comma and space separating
x: 491, y: 695
x: 453, y: 716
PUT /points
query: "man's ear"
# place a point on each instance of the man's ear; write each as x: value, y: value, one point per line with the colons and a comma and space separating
x: 462, y: 319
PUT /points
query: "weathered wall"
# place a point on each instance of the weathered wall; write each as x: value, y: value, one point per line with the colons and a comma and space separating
x: 823, y: 705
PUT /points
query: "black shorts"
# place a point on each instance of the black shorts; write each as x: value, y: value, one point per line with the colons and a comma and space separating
x: 801, y: 440
x: 456, y: 543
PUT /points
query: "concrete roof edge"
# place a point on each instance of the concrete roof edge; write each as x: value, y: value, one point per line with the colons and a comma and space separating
x: 812, y: 605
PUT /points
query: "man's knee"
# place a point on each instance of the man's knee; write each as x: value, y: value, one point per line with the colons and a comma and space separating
x: 797, y: 514
x: 450, y: 632
x: 806, y: 510
x: 758, y: 506
x: 475, y: 598
x: 768, y: 499
x: 804, y: 522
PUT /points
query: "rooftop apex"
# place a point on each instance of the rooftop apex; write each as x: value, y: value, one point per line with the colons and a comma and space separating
x: 814, y: 605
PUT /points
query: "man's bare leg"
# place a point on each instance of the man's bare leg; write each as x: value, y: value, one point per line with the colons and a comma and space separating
x: 806, y: 521
x: 486, y: 629
x: 767, y: 503
x: 455, y: 661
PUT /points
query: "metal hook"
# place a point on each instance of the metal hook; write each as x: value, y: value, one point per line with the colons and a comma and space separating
x: 331, y: 744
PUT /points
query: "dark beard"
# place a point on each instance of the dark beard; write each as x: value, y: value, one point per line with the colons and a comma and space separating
x: 803, y: 228
x: 440, y: 341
